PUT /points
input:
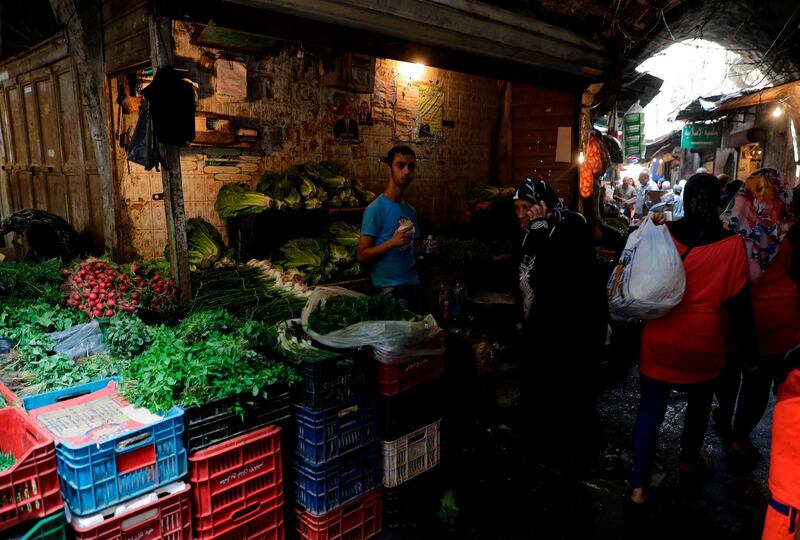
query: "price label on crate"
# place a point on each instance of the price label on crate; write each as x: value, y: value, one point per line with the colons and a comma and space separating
x: 95, y: 418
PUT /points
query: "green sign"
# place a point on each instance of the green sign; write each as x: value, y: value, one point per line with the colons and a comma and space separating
x: 700, y: 136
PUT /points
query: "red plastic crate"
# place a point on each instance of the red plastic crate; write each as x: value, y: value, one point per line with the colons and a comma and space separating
x: 356, y: 520
x: 9, y: 396
x: 29, y: 489
x: 267, y: 527
x: 236, y: 483
x: 167, y: 516
x: 396, y: 378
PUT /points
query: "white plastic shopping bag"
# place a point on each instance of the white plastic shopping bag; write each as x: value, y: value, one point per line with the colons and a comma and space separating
x: 649, y: 279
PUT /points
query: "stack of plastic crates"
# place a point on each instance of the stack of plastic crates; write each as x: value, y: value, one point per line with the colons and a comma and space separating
x: 119, y: 468
x: 337, y: 456
x: 410, y: 384
x: 235, y: 465
x: 31, y: 507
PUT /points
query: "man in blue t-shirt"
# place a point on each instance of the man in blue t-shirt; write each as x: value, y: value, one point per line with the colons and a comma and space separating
x: 390, y: 231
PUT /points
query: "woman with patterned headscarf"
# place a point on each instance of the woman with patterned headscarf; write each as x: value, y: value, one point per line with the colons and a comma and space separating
x: 715, y: 264
x: 559, y: 297
x: 761, y: 214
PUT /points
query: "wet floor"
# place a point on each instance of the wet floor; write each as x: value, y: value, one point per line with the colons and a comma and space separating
x: 503, y: 493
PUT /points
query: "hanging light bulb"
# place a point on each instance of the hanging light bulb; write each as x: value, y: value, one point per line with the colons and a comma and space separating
x: 777, y: 112
x: 580, y: 158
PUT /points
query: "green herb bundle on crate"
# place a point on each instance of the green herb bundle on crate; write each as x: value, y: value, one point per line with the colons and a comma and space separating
x: 342, y: 311
x: 207, y: 356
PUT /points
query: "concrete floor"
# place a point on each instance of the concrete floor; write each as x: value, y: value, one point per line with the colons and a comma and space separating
x: 504, y: 494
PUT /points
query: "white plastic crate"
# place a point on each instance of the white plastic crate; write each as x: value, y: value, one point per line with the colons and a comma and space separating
x: 410, y: 455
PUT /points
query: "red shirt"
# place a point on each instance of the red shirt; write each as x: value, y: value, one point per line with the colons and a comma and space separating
x: 784, y: 453
x: 776, y: 305
x: 687, y: 345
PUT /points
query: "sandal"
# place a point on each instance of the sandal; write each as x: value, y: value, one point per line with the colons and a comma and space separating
x: 696, y: 471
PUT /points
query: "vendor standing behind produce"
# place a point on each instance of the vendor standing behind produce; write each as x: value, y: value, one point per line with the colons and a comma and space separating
x: 390, y: 231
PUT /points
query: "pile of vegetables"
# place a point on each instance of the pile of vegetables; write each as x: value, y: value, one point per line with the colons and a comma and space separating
x: 323, y: 260
x: 314, y: 185
x: 206, y: 248
x: 460, y: 254
x: 253, y: 291
x: 490, y: 193
x: 342, y: 311
x: 101, y: 288
x: 239, y: 199
x: 309, y: 186
x: 33, y: 365
x: 288, y: 339
x: 207, y: 356
x: 23, y: 282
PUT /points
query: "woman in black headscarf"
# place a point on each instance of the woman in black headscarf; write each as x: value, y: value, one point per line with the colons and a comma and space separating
x: 563, y: 320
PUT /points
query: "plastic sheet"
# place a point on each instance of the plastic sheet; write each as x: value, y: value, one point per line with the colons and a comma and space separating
x: 388, y: 336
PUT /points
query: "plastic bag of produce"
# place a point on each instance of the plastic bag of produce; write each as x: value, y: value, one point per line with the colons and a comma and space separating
x: 397, y: 355
x: 79, y: 341
x: 649, y: 279
x: 388, y: 335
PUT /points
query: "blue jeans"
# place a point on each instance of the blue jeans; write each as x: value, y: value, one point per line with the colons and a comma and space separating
x: 652, y: 409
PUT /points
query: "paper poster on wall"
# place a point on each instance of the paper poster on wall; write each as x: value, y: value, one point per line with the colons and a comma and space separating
x: 431, y: 105
x: 406, y: 112
x: 345, y: 125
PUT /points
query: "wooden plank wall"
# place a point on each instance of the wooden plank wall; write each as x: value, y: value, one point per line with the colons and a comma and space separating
x: 536, y: 115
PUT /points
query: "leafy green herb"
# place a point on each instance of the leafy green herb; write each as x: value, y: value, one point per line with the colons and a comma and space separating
x: 342, y: 311
x: 23, y: 282
x: 448, y: 511
x: 7, y: 461
x: 205, y: 357
x: 127, y: 336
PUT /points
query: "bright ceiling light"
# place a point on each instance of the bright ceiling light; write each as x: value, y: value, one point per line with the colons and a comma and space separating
x: 777, y: 112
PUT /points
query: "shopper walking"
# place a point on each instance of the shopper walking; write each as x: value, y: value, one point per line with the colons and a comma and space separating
x: 716, y: 270
x: 761, y: 215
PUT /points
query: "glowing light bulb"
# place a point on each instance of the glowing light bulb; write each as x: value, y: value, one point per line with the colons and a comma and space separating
x: 581, y: 158
x: 777, y: 112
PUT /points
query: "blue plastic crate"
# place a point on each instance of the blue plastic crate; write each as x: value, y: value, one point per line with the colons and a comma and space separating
x: 94, y: 476
x: 324, y: 434
x: 322, y: 488
x: 55, y: 396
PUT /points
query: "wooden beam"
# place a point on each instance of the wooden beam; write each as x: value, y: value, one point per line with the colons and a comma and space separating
x: 84, y: 29
x: 161, y: 55
x: 460, y: 25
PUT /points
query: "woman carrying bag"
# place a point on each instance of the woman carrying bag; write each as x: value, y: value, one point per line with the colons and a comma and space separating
x: 716, y: 271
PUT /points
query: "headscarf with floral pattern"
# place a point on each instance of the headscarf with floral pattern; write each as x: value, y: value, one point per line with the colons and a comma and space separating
x: 761, y: 215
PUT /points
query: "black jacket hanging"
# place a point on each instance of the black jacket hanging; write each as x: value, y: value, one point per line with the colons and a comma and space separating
x: 172, y: 106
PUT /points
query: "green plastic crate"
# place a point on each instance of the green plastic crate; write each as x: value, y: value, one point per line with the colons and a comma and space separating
x: 50, y: 528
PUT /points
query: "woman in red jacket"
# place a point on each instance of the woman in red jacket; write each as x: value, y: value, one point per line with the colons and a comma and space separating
x: 761, y: 214
x: 716, y: 270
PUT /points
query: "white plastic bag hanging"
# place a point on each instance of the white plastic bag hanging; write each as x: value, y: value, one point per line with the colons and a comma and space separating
x: 649, y: 279
x: 231, y: 80
x: 388, y: 335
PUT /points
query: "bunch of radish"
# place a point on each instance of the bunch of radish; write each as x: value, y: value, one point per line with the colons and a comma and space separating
x: 101, y: 289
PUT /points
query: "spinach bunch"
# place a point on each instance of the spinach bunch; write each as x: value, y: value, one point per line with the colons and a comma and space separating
x: 342, y: 311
